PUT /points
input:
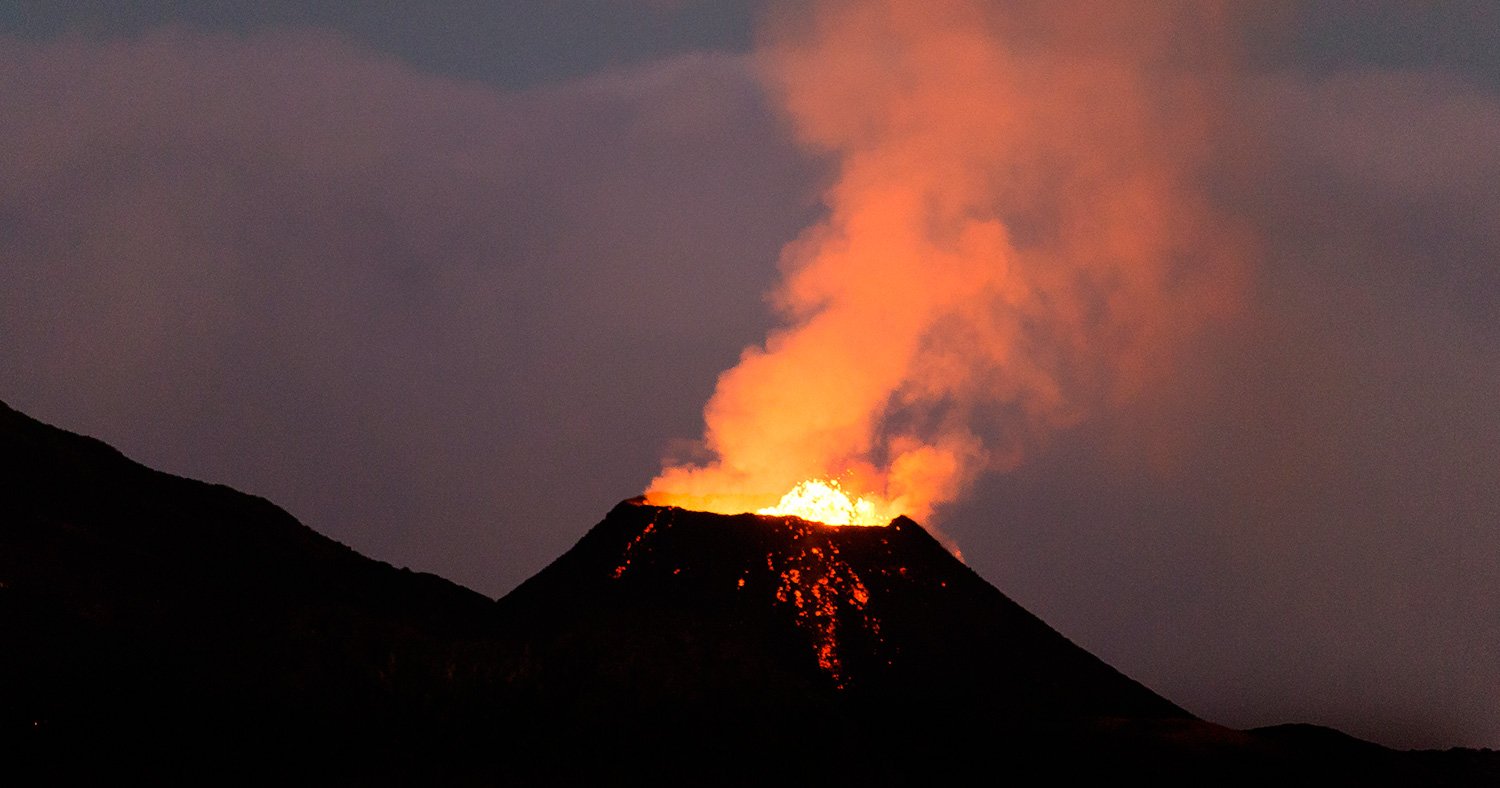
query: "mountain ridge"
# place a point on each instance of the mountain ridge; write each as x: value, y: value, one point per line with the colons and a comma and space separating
x: 166, y: 627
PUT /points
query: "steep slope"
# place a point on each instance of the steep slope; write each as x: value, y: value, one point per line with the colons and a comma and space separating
x: 143, y: 610
x: 847, y: 654
x: 708, y: 602
x: 700, y: 648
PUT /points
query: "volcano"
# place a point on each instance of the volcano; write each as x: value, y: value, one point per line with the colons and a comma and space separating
x: 844, y: 650
x: 161, y: 627
x: 766, y: 612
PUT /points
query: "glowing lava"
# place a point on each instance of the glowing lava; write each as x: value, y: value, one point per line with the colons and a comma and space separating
x: 826, y: 595
x: 804, y: 574
x: 824, y: 501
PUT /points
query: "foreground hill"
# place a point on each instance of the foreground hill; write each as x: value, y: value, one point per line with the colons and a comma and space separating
x: 161, y: 627
x: 157, y: 621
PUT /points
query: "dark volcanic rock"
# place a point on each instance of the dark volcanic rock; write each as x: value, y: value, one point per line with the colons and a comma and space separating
x: 161, y: 627
x: 666, y: 605
x: 152, y: 622
x: 849, y: 652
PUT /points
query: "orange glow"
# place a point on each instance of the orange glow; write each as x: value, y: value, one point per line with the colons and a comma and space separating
x: 1016, y: 237
x: 826, y: 596
x: 820, y: 501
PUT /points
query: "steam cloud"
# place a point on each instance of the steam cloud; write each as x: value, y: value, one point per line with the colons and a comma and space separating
x: 1016, y: 237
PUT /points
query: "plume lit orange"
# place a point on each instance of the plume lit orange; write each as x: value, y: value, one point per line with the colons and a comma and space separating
x: 1016, y: 235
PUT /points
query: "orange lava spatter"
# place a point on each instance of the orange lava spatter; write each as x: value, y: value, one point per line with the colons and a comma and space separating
x: 826, y: 595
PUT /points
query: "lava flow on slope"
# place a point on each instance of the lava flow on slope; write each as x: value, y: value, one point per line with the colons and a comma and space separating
x: 663, y: 605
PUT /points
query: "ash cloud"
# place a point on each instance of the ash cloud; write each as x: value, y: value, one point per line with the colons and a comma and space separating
x: 1017, y: 231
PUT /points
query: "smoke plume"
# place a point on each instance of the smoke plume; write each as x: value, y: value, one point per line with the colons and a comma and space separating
x: 1016, y: 237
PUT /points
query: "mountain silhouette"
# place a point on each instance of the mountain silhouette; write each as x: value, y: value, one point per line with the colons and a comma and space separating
x: 160, y: 627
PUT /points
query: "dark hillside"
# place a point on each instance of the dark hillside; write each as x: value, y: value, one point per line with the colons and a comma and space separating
x: 165, y: 628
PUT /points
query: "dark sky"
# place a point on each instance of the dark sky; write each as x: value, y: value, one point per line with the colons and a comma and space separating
x: 447, y: 286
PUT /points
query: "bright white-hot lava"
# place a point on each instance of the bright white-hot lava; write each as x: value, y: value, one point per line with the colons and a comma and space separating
x: 824, y: 501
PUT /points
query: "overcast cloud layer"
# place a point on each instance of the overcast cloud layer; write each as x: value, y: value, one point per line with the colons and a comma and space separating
x: 451, y: 324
